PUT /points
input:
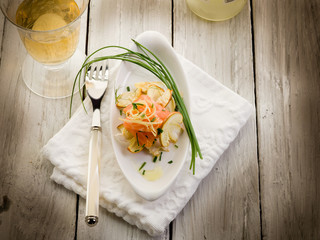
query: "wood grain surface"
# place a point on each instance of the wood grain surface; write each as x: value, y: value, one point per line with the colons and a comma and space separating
x: 31, y: 205
x: 226, y: 204
x: 287, y: 56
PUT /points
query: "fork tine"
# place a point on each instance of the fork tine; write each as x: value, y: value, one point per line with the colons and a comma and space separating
x: 92, y: 73
x: 98, y: 71
x: 106, y: 71
x: 103, y: 73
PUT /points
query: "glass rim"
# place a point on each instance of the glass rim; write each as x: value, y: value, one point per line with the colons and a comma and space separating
x: 46, y: 31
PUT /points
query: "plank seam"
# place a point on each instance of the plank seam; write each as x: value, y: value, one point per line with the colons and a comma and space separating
x: 87, y: 33
x: 256, y: 102
x: 3, y: 33
x: 170, y: 230
x: 84, y: 93
x: 172, y: 23
x: 83, y: 96
x: 172, y: 43
x: 77, y: 216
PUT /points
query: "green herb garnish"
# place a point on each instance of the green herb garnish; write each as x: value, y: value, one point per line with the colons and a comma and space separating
x: 153, y: 119
x: 170, y: 162
x: 154, y: 159
x: 149, y: 61
x: 176, y: 146
x: 115, y: 96
x: 159, y: 130
x: 135, y: 105
x: 144, y: 171
x: 142, y: 165
x: 160, y: 156
x: 121, y: 112
x: 128, y: 89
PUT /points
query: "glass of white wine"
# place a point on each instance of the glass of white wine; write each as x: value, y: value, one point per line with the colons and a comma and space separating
x: 216, y: 10
x: 49, y: 30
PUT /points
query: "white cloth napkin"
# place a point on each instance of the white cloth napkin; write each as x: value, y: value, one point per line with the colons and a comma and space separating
x: 217, y: 114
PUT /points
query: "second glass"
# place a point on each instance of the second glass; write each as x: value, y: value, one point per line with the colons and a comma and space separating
x: 216, y: 10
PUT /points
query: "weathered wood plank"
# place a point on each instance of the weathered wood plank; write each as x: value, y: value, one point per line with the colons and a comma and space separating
x: 226, y: 204
x: 287, y: 37
x: 31, y: 205
x: 1, y: 29
x: 117, y: 22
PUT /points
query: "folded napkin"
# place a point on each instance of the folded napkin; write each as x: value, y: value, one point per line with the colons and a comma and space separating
x: 217, y: 114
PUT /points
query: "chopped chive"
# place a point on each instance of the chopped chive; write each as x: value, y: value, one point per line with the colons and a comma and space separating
x: 116, y: 95
x: 143, y: 172
x: 154, y: 159
x: 137, y: 150
x: 128, y: 88
x: 137, y: 139
x: 153, y: 119
x: 159, y: 130
x: 143, y: 115
x: 160, y: 156
x: 142, y: 165
x: 134, y: 105
x: 170, y: 162
x: 152, y: 105
x: 176, y: 146
x: 143, y: 145
x: 121, y: 112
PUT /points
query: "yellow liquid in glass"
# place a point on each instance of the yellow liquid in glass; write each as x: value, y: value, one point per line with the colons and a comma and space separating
x: 216, y: 10
x: 51, y: 41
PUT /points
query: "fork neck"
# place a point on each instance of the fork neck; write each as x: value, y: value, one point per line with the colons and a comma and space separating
x: 96, y: 118
x: 96, y: 103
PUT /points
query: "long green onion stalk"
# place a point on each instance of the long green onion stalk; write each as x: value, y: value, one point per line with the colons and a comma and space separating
x: 148, y: 60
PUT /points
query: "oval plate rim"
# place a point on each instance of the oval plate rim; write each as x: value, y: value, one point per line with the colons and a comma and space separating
x: 159, y: 45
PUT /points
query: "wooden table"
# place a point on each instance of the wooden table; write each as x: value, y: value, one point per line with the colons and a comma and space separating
x: 265, y: 186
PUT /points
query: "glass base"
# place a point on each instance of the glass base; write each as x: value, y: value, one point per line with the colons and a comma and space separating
x: 54, y: 81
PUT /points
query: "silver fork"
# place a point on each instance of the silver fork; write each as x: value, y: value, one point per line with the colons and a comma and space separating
x: 96, y: 85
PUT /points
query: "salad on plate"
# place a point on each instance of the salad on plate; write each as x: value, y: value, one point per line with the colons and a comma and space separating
x: 149, y: 118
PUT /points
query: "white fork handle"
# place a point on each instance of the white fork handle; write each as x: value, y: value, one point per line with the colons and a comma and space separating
x: 92, y: 202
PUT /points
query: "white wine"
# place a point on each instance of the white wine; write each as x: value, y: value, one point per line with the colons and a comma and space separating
x: 216, y: 10
x: 51, y: 41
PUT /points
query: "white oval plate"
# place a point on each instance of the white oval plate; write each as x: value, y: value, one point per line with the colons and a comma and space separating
x: 131, y: 162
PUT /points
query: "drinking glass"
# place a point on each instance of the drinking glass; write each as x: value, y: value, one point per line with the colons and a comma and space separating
x: 216, y: 10
x: 51, y: 41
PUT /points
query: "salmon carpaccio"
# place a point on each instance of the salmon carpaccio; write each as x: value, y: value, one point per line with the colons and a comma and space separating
x: 152, y: 117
